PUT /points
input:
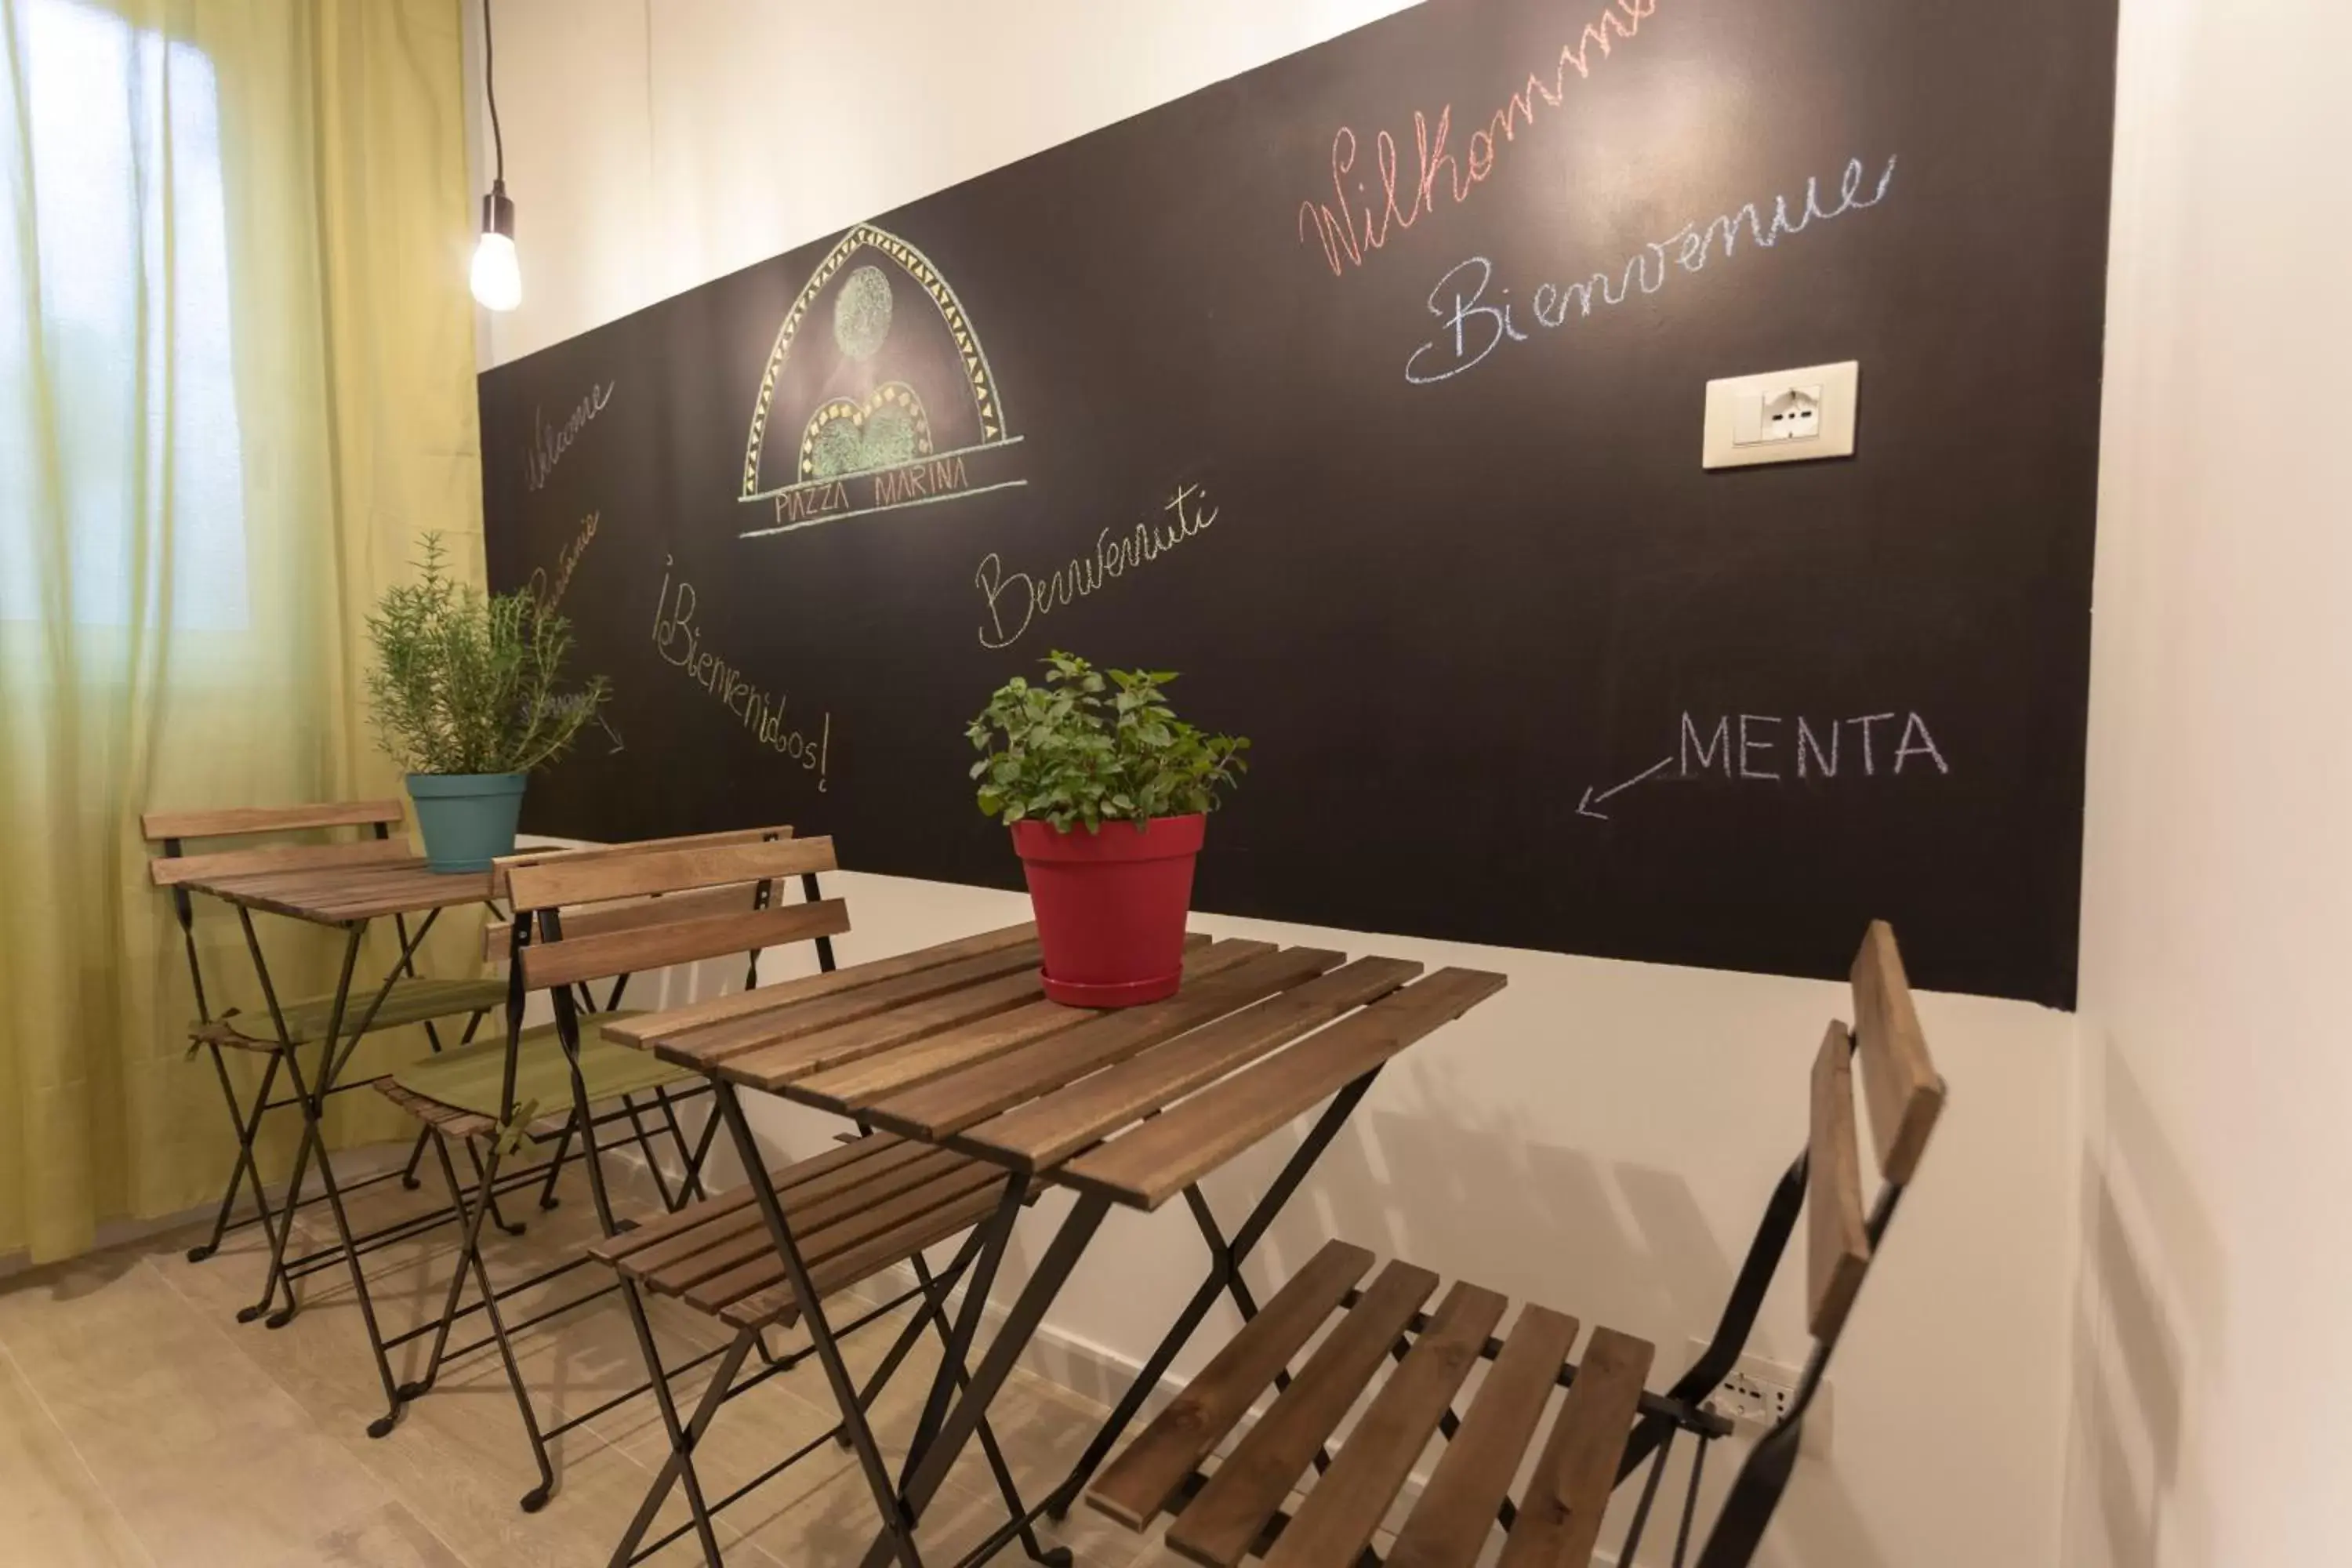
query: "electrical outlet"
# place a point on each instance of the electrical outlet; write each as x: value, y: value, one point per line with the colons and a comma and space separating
x: 1791, y: 413
x: 1752, y: 1398
x: 1781, y: 416
x: 1756, y: 1395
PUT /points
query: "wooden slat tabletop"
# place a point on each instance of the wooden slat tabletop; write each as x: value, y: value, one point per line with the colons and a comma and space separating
x: 337, y: 894
x: 955, y: 1046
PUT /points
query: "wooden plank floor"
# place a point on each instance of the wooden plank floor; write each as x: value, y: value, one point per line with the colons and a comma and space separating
x: 140, y: 1424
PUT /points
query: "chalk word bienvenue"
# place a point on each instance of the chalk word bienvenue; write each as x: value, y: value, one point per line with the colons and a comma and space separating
x: 1016, y: 599
x: 549, y: 443
x: 1347, y: 238
x: 680, y: 642
x: 1475, y: 327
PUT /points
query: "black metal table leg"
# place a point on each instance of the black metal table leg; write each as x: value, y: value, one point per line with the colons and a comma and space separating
x: 280, y: 1234
x: 1020, y: 1326
x: 897, y: 1536
x: 336, y: 1047
x: 248, y: 1125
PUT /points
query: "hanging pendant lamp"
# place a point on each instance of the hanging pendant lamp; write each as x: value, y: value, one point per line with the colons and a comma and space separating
x: 498, y: 272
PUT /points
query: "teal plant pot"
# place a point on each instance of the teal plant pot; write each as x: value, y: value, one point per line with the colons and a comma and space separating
x: 469, y: 819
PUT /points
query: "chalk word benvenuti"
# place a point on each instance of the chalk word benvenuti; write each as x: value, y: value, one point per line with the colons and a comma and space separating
x: 1014, y: 599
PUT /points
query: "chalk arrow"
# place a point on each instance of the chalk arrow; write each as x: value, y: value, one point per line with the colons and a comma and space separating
x: 1584, y: 807
x: 603, y: 724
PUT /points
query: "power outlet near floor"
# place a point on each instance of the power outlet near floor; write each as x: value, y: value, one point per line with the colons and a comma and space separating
x: 1757, y: 1394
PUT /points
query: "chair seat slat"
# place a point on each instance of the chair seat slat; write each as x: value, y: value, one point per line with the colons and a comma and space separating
x: 844, y: 1233
x: 1218, y: 1526
x: 811, y: 1179
x: 1568, y: 1496
x: 1140, y: 1482
x: 776, y: 1304
x: 735, y: 1239
x: 1455, y: 1512
x: 1336, y: 1524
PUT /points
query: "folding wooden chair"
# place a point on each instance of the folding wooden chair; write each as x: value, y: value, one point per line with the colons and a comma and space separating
x: 410, y: 999
x: 582, y: 917
x: 858, y: 1212
x: 1413, y: 1363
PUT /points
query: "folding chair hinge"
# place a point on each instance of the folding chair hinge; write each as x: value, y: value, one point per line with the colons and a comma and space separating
x: 515, y: 1136
x: 197, y: 1042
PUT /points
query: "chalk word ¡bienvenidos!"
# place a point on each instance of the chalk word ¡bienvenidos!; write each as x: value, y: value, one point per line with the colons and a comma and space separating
x: 1014, y: 599
x: 1474, y: 328
x: 680, y: 643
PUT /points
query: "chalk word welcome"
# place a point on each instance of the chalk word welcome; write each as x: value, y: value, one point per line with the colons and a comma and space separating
x: 1475, y: 326
x: 549, y: 443
x: 1016, y: 599
x: 680, y: 643
x: 1348, y: 237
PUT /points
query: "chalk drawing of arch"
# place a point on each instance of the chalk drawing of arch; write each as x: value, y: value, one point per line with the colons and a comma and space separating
x: 978, y: 378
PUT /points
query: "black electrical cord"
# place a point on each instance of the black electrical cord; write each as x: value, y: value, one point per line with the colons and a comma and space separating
x: 490, y: 89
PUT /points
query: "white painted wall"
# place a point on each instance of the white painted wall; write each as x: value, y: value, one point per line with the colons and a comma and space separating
x: 1603, y: 1135
x: 2217, y: 1282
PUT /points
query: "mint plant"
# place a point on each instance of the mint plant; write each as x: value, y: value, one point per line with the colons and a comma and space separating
x: 1094, y: 746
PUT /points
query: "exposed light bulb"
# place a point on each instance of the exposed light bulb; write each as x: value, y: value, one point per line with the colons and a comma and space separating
x: 498, y: 272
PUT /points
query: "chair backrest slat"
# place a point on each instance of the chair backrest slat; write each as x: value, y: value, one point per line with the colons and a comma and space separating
x: 574, y: 959
x: 501, y: 867
x: 1837, y: 1237
x: 590, y: 879
x: 236, y: 822
x: 1843, y: 1240
x: 1899, y: 1081
x: 602, y: 919
x: 170, y: 870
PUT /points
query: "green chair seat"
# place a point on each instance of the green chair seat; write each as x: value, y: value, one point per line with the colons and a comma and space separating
x: 410, y: 1002
x: 472, y: 1077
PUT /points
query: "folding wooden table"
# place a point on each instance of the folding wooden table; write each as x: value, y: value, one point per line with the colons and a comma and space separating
x: 349, y: 898
x: 957, y: 1047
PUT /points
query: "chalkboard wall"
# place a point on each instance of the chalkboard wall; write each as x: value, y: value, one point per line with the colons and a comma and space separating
x: 1365, y: 390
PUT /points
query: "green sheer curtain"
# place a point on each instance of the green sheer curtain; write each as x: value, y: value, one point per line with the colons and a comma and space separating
x: 236, y: 381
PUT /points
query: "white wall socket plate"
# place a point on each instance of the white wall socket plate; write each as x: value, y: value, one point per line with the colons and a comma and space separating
x: 1781, y: 416
x: 1757, y: 1392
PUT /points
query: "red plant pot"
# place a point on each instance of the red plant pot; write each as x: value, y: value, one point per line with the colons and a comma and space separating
x: 1111, y: 907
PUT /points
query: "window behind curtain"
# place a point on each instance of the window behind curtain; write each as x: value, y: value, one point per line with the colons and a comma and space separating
x: 114, y: 330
